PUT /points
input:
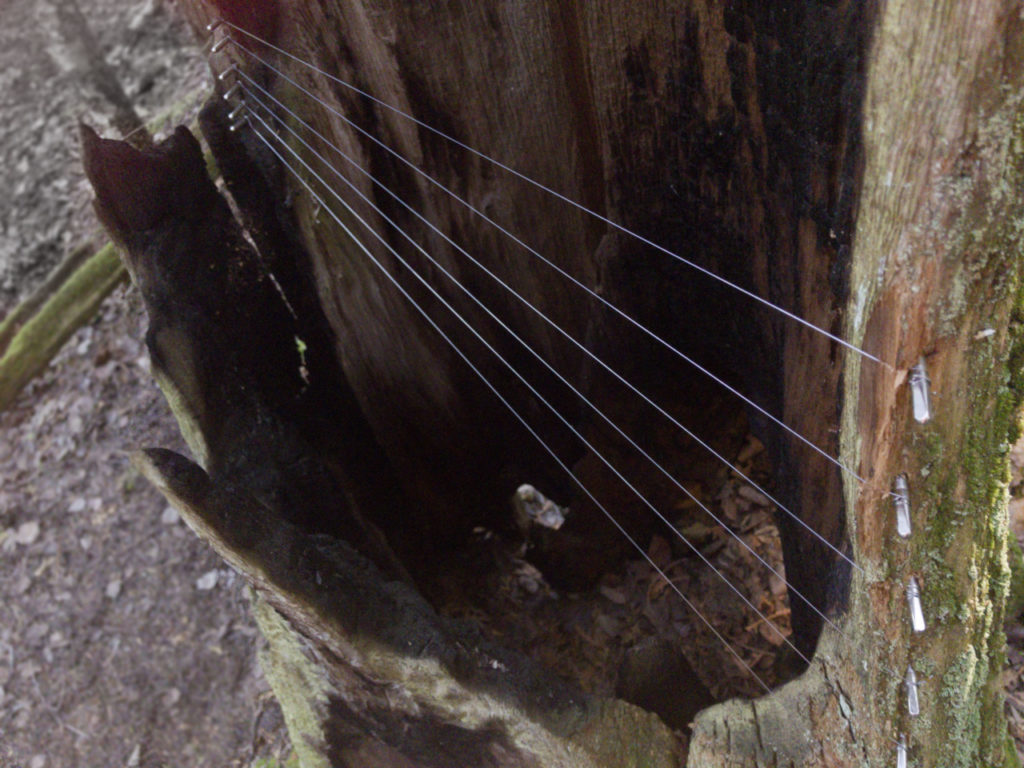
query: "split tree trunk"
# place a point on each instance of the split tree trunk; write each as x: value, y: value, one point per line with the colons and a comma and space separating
x: 855, y: 163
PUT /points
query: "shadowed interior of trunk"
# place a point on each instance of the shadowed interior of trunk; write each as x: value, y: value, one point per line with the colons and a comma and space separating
x: 305, y: 380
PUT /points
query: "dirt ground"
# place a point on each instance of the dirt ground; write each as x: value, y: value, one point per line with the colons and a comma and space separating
x: 123, y: 640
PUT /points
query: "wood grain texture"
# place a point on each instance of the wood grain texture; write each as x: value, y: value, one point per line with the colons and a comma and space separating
x: 853, y: 162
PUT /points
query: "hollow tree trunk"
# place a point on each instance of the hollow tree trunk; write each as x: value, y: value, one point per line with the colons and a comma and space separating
x: 855, y: 163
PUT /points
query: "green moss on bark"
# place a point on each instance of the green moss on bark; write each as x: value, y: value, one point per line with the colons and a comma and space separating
x: 33, y: 347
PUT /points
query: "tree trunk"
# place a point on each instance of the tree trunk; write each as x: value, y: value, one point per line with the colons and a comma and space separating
x: 854, y: 163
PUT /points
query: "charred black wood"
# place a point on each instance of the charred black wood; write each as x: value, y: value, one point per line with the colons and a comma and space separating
x: 226, y: 347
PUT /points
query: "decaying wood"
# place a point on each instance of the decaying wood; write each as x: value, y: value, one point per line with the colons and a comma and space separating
x: 68, y: 298
x: 402, y: 686
x: 855, y: 163
x: 936, y: 262
x: 271, y: 498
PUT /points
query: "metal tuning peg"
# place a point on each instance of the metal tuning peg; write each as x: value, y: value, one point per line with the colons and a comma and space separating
x: 901, y: 499
x: 212, y: 26
x: 901, y: 752
x: 232, y: 70
x: 231, y: 92
x: 234, y: 113
x: 243, y: 120
x: 914, y: 600
x: 913, y: 703
x: 217, y: 46
x: 919, y: 392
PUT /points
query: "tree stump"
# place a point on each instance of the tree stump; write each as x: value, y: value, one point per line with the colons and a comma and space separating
x: 854, y: 163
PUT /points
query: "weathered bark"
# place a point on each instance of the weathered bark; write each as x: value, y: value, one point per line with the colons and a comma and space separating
x: 935, y: 262
x: 34, y: 331
x: 852, y: 162
x: 678, y: 131
x: 289, y: 465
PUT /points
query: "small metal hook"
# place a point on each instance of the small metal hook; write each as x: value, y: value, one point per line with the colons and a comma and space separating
x: 212, y: 26
x: 243, y: 120
x: 232, y: 70
x: 914, y: 600
x: 217, y: 46
x: 919, y: 392
x: 901, y: 499
x: 234, y: 113
x: 913, y: 703
x: 231, y: 92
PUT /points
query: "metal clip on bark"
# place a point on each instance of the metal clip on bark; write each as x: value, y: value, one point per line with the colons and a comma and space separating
x: 913, y: 704
x: 901, y: 497
x: 914, y: 599
x: 919, y: 392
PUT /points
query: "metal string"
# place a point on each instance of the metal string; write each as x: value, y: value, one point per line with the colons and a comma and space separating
x: 565, y: 199
x: 533, y: 390
x: 562, y: 272
x: 504, y: 401
x: 540, y: 314
x: 250, y: 94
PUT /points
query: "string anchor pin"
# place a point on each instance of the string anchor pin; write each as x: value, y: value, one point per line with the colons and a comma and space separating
x: 231, y: 92
x: 901, y: 498
x: 232, y: 70
x: 919, y: 392
x: 243, y: 120
x: 212, y: 26
x: 914, y: 600
x: 901, y: 752
x: 217, y: 46
x: 234, y: 113
x: 913, y: 703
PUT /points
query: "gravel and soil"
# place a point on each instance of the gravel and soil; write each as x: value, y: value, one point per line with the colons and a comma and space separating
x: 123, y: 640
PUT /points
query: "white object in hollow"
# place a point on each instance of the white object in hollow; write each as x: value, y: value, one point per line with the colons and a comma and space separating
x: 536, y: 508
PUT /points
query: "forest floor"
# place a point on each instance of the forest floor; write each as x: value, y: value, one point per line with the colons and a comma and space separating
x: 123, y: 639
